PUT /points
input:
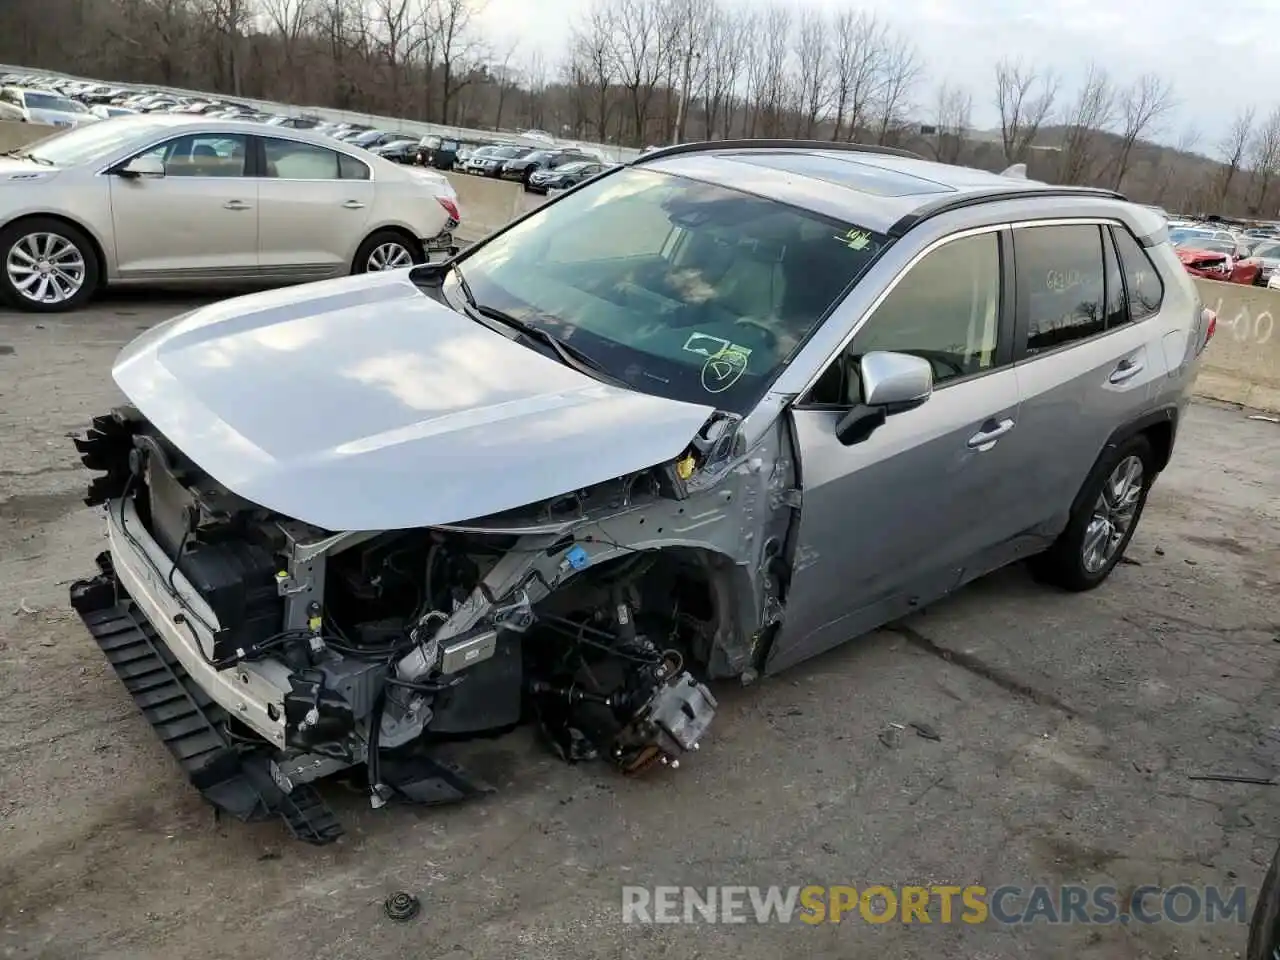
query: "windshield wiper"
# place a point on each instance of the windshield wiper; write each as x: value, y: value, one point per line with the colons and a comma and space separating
x: 19, y: 154
x: 566, y: 353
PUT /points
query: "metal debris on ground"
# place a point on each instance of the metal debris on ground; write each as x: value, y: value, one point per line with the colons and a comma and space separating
x: 925, y: 731
x: 1258, y: 416
x: 1228, y: 778
x: 401, y: 906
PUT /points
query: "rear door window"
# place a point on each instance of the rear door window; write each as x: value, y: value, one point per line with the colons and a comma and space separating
x: 1061, y: 290
x: 1141, y: 278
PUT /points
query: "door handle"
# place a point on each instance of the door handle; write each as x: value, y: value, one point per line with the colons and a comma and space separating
x: 1128, y: 368
x: 991, y: 431
x: 235, y: 205
x: 353, y: 205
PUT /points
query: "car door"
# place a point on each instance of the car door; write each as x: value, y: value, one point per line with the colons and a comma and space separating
x: 197, y: 222
x: 897, y: 519
x: 315, y: 205
x: 1085, y: 367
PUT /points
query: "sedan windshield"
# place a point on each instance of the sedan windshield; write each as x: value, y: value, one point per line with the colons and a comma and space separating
x: 675, y: 287
x: 87, y: 143
x: 47, y: 101
x: 1267, y: 251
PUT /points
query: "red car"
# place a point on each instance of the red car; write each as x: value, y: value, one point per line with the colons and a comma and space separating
x: 1211, y: 264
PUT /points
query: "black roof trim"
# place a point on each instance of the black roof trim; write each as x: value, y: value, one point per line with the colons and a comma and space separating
x: 973, y: 198
x: 703, y: 146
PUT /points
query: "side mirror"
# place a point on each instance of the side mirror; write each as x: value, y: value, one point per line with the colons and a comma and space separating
x: 144, y: 166
x: 895, y: 380
x: 891, y: 383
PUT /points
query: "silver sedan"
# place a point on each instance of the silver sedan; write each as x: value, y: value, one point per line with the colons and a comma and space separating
x: 169, y: 199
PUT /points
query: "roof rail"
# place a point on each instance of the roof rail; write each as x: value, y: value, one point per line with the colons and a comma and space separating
x: 973, y: 198
x: 702, y: 146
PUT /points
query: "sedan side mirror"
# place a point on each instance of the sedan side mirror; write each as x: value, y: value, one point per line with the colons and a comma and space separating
x: 891, y: 383
x: 144, y: 166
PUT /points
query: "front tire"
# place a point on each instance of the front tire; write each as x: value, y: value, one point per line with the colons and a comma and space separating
x: 47, y: 266
x: 1103, y: 520
x: 387, y: 250
x: 1264, y: 925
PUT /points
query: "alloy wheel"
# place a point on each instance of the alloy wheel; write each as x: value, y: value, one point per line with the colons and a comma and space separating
x: 389, y: 256
x: 1113, y: 514
x: 45, y: 268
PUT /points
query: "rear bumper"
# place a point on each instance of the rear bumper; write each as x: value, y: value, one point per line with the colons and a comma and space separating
x: 441, y: 242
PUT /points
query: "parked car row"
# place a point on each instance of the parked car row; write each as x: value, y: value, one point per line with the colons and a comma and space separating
x: 1215, y: 251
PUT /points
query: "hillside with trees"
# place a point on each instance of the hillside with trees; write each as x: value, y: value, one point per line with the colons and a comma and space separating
x: 639, y: 72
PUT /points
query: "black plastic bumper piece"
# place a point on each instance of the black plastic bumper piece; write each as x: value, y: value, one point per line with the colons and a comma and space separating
x: 236, y: 781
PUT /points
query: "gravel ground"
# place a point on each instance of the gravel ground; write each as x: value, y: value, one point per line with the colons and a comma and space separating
x: 1069, y: 727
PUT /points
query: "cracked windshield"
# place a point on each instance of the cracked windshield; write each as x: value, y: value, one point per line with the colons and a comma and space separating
x: 676, y: 287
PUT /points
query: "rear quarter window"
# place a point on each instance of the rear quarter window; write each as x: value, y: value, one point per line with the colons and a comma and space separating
x: 1141, y: 278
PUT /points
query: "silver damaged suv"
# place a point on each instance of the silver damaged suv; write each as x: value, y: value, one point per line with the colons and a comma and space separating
x: 704, y: 416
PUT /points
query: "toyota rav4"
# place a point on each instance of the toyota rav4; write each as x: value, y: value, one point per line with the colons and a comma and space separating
x: 704, y: 416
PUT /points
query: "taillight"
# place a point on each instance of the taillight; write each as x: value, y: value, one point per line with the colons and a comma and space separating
x: 450, y: 208
x: 1209, y: 321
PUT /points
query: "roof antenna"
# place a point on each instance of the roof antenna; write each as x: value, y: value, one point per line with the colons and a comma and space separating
x: 1018, y: 171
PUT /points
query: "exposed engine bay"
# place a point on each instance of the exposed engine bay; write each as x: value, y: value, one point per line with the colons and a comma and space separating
x: 293, y: 653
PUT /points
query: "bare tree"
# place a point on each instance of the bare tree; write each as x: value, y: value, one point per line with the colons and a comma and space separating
x: 227, y: 21
x: 1232, y: 148
x: 1025, y: 99
x: 591, y: 50
x: 1092, y: 112
x: 1169, y: 170
x: 397, y: 37
x: 506, y: 82
x: 1264, y: 161
x: 290, y: 19
x: 1141, y: 108
x: 772, y: 46
x: 901, y: 71
x: 640, y: 54
x: 859, y: 53
x: 953, y: 107
x: 722, y: 67
x: 450, y: 22
x: 813, y: 84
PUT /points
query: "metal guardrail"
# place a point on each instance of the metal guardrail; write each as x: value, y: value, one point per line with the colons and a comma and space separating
x: 415, y: 128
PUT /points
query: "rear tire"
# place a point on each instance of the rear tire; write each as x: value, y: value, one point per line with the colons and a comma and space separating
x: 1103, y: 519
x: 47, y: 266
x: 387, y: 250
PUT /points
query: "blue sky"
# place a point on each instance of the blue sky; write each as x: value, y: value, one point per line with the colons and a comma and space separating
x: 1218, y: 56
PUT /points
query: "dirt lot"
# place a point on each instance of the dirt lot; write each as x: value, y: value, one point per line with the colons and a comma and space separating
x: 1069, y: 728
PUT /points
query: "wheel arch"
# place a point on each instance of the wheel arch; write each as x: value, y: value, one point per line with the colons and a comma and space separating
x: 400, y: 229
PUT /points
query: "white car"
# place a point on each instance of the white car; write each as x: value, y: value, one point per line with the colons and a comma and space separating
x: 42, y: 106
x: 167, y: 198
x: 105, y: 111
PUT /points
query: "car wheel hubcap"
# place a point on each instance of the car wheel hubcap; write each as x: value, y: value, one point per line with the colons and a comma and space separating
x: 390, y: 256
x: 45, y: 268
x: 1113, y: 514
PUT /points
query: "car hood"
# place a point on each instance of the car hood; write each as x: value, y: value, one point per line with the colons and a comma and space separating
x: 1194, y: 255
x: 362, y: 404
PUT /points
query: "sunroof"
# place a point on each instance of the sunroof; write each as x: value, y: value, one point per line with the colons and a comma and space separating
x: 845, y: 172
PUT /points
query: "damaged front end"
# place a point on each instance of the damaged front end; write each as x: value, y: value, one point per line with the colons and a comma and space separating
x: 268, y: 653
